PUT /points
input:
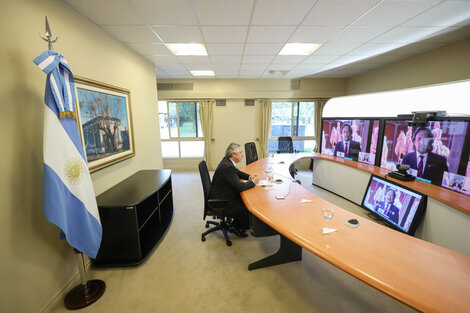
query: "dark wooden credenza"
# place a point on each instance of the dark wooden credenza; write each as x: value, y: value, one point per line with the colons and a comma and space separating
x: 135, y: 215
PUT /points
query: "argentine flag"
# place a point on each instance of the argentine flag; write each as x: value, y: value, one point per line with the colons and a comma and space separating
x: 68, y: 196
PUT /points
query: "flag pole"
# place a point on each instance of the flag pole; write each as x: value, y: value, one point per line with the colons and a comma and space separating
x: 88, y: 291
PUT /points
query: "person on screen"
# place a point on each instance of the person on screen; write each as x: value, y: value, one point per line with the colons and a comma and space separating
x: 350, y: 147
x: 387, y: 207
x: 334, y: 136
x: 428, y: 165
x: 438, y: 145
x: 226, y: 184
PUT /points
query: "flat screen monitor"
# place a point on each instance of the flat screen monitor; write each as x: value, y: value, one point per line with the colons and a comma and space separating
x: 400, y: 207
x: 355, y: 139
x: 441, y: 145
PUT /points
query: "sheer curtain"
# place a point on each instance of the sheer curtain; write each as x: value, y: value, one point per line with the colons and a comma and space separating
x: 266, y: 110
x: 205, y: 111
x: 319, y: 105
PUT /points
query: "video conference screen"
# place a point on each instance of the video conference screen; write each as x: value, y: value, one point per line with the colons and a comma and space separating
x: 400, y: 207
x: 354, y: 139
x: 434, y: 152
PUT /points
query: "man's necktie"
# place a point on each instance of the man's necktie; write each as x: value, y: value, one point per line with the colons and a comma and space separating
x: 346, y: 150
x: 420, y: 166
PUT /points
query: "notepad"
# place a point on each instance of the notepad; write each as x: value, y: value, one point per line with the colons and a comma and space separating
x: 305, y: 201
x: 326, y: 231
x: 265, y: 183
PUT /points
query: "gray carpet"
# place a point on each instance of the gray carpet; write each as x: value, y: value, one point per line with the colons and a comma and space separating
x: 187, y: 275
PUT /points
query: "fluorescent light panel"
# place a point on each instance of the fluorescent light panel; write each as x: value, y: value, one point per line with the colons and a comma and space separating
x: 299, y: 48
x: 202, y: 73
x: 187, y: 48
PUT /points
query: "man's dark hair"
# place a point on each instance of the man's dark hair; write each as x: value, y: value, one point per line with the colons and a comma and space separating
x: 428, y: 135
x: 392, y: 190
x: 346, y: 125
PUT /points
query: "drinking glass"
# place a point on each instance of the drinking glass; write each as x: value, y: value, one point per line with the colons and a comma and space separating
x: 328, y: 214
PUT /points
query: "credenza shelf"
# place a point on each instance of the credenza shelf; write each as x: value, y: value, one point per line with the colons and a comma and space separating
x: 135, y: 215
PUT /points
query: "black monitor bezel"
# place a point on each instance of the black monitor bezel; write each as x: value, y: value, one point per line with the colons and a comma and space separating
x: 419, y: 211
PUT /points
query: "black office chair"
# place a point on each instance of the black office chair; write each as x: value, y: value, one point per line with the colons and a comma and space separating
x: 214, y: 207
x: 285, y: 145
x: 250, y: 152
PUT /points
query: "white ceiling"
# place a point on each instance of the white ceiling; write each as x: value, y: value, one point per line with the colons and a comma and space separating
x: 243, y: 37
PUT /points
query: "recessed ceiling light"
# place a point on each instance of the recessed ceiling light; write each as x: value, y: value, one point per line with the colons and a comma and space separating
x: 299, y: 48
x: 187, y: 48
x: 202, y: 73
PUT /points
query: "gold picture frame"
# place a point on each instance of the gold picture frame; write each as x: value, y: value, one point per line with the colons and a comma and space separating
x: 104, y: 119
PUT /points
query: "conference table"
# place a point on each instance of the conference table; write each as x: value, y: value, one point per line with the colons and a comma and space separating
x: 422, y: 275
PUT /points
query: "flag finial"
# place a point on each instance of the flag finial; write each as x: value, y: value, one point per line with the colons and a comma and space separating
x: 48, y: 36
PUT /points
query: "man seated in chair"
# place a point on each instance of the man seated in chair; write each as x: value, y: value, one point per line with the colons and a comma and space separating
x: 226, y: 184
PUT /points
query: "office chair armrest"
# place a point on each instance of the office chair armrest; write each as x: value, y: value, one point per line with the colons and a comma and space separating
x: 277, y: 151
x: 219, y: 206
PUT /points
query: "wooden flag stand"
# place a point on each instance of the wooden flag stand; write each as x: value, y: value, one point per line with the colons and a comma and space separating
x: 87, y: 292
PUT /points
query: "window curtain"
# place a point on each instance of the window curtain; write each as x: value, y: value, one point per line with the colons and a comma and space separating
x: 265, y: 130
x: 205, y: 111
x: 319, y: 105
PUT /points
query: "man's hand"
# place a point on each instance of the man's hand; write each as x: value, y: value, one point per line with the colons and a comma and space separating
x: 254, y: 178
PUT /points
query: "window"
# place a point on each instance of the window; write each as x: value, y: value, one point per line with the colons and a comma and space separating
x: 294, y: 119
x: 180, y: 129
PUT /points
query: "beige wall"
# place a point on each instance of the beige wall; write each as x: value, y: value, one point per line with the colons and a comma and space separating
x: 35, y: 265
x: 445, y: 64
x: 237, y: 122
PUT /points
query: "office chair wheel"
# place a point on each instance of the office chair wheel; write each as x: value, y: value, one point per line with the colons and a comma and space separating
x: 203, y: 238
x: 207, y: 224
x: 229, y: 243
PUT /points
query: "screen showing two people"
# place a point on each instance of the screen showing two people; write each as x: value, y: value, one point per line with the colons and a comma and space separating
x: 397, y: 205
x: 434, y: 152
x: 353, y: 139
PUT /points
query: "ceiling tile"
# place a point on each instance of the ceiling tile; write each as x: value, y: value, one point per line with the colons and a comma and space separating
x: 359, y: 34
x: 179, y: 74
x: 195, y: 59
x: 251, y: 72
x: 315, y: 34
x: 157, y: 12
x: 256, y: 66
x: 270, y: 34
x: 171, y: 67
x: 198, y: 67
x: 258, y: 58
x: 134, y: 34
x: 405, y: 34
x: 179, y: 34
x: 289, y: 58
x: 226, y: 59
x: 447, y: 13
x: 224, y: 48
x: 280, y: 12
x: 150, y: 48
x: 108, y: 12
x: 281, y: 67
x: 335, y: 48
x: 226, y: 72
x: 391, y: 13
x: 338, y: 12
x: 163, y: 59
x: 319, y: 59
x: 224, y: 34
x: 226, y: 66
x: 223, y: 12
x: 263, y: 48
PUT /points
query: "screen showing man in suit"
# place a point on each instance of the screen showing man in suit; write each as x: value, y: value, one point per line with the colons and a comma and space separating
x: 428, y: 165
x: 227, y: 184
x: 388, y: 207
x: 348, y: 147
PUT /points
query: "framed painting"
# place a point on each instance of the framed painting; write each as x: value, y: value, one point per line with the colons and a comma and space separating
x: 105, y: 122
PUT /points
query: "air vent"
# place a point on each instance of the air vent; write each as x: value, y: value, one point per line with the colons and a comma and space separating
x: 174, y: 86
x: 295, y: 84
x: 249, y: 102
x: 220, y: 102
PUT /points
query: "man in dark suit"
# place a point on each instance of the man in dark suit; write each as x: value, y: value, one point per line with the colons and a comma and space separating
x: 387, y: 207
x: 428, y: 165
x: 349, y: 147
x: 226, y: 184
